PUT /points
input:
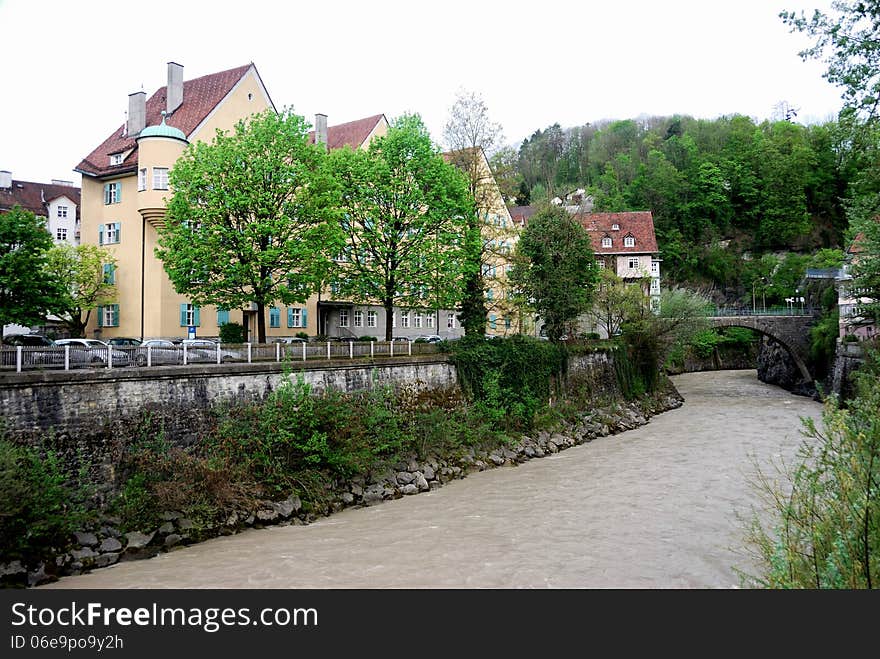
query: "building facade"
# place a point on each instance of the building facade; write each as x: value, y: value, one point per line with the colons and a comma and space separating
x: 57, y: 202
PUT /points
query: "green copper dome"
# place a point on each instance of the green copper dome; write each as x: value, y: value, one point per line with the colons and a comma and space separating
x: 162, y: 130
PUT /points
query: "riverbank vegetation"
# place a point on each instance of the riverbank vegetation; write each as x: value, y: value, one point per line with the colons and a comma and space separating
x: 824, y: 524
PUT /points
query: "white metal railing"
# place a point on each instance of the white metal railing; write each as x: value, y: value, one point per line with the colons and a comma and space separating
x: 69, y: 357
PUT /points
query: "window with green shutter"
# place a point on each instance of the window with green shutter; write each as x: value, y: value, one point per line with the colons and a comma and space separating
x: 304, y: 318
x: 189, y: 315
x: 222, y: 317
x: 274, y: 317
x: 109, y: 273
x: 112, y: 193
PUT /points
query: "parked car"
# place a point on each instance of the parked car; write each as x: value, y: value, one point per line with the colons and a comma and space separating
x: 205, y: 350
x: 289, y: 339
x: 91, y: 352
x: 28, y: 342
x: 161, y: 351
x: 428, y: 338
x: 32, y: 340
x: 124, y: 341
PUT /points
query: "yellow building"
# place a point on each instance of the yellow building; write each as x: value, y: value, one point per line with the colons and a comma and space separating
x: 125, y: 186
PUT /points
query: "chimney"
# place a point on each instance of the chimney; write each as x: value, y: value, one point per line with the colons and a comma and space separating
x: 137, y: 113
x: 321, y: 130
x: 174, y: 93
x: 5, y: 179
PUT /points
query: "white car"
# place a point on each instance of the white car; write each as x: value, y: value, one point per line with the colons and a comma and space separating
x: 92, y: 352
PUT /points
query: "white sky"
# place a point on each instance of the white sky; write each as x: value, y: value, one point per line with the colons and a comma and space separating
x: 67, y: 67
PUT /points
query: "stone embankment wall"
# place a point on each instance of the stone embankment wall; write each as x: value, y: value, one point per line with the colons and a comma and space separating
x: 848, y: 358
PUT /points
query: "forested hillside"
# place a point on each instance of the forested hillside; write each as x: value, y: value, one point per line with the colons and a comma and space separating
x: 726, y: 193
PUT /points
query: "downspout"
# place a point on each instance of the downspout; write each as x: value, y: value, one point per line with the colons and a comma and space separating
x: 143, y: 252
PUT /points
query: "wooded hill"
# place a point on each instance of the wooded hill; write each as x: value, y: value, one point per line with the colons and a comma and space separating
x: 719, y: 189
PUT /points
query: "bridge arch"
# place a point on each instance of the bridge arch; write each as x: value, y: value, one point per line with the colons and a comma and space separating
x: 791, y: 332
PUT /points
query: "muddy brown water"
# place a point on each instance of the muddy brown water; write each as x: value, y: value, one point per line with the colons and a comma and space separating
x: 655, y: 507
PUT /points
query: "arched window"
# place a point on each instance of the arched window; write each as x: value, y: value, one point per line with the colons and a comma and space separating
x: 629, y: 241
x: 606, y: 242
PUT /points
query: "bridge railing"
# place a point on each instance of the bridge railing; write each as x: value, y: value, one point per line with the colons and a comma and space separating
x: 726, y: 312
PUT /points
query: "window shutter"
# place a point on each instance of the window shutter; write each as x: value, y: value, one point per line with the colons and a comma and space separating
x: 106, y: 193
x: 115, y: 315
x: 183, y: 315
x: 304, y: 320
x: 222, y: 316
x: 118, y: 192
x: 196, y: 316
x: 290, y: 316
x: 118, y: 231
x: 100, y: 234
x: 100, y: 316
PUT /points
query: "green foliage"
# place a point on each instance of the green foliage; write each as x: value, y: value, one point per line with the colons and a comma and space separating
x: 408, y: 222
x: 555, y: 269
x: 29, y: 289
x: 824, y: 530
x: 302, y: 335
x: 253, y: 218
x: 81, y: 272
x: 510, y: 379
x: 823, y: 343
x: 232, y: 333
x: 40, y: 506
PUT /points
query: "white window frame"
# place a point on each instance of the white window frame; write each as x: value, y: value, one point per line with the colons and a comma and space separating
x: 450, y: 321
x: 113, y: 193
x: 429, y: 320
x: 142, y: 179
x: 61, y: 233
x: 358, y: 318
x: 190, y: 315
x: 371, y: 318
x: 607, y: 242
x: 417, y: 321
x: 62, y: 211
x: 655, y: 268
x: 629, y: 241
x: 296, y: 316
x: 634, y: 263
x: 615, y: 227
x: 111, y: 237
x: 404, y: 319
x: 343, y: 317
x: 160, y: 178
x: 108, y: 316
x: 655, y: 287
x: 116, y: 158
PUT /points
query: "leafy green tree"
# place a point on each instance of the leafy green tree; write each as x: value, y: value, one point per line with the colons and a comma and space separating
x: 407, y: 221
x: 29, y: 289
x: 556, y: 270
x: 615, y: 302
x: 88, y: 275
x: 253, y: 217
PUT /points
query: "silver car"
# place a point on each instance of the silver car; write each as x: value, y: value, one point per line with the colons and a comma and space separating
x: 158, y: 352
x: 92, y: 352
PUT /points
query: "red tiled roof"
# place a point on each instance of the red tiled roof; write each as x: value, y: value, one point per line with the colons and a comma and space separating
x: 857, y: 247
x: 200, y: 97
x: 353, y: 133
x: 35, y: 196
x: 639, y: 223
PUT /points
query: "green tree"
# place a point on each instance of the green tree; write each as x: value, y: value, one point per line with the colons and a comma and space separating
x: 252, y: 218
x: 28, y: 288
x: 407, y: 220
x: 87, y: 274
x: 615, y: 302
x: 556, y: 270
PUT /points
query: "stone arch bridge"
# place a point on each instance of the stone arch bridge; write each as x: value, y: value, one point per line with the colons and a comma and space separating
x: 792, y: 332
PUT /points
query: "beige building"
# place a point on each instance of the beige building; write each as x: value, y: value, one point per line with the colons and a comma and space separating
x: 125, y: 186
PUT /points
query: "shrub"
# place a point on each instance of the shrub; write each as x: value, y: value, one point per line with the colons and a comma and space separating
x: 367, y: 338
x: 40, y: 506
x: 302, y: 335
x: 232, y: 333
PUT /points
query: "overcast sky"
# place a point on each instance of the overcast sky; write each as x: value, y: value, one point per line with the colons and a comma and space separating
x: 68, y: 67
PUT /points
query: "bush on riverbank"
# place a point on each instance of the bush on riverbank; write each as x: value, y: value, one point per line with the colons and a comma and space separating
x: 825, y: 531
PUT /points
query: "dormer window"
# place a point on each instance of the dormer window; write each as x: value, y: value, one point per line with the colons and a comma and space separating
x: 117, y: 158
x: 615, y: 227
x: 629, y: 241
x: 606, y: 241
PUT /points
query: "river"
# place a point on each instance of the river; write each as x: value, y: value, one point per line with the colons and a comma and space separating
x: 655, y: 507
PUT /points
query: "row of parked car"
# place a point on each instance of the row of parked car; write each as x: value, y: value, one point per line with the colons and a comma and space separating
x: 122, y: 351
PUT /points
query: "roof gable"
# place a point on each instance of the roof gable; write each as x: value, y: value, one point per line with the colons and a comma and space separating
x: 352, y: 133
x: 637, y: 224
x: 36, y: 196
x: 200, y: 97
